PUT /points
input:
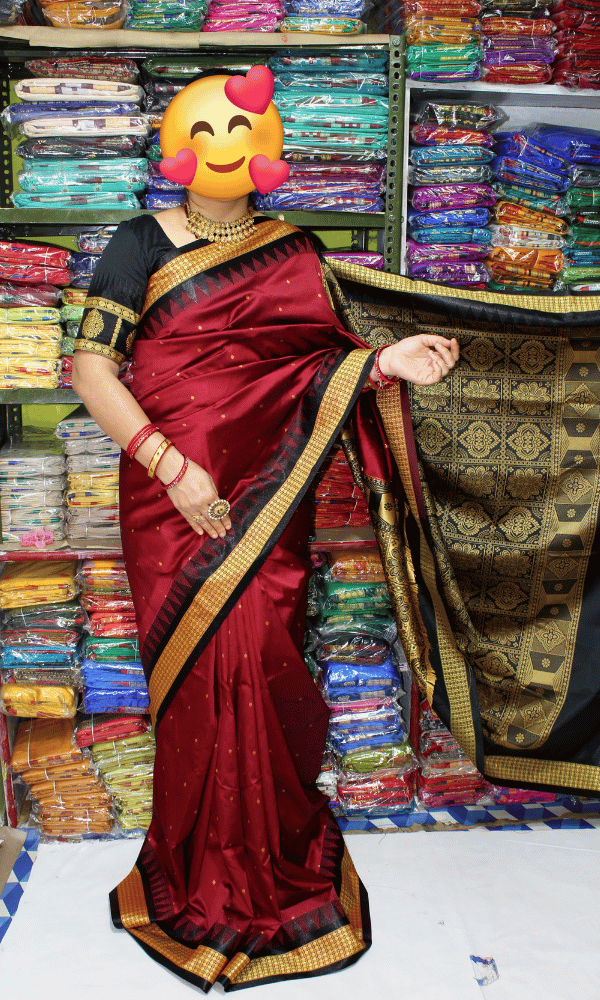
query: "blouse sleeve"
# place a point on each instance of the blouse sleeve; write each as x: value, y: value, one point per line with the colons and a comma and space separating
x: 115, y: 297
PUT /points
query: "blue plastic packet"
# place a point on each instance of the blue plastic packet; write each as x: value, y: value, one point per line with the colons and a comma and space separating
x: 451, y: 217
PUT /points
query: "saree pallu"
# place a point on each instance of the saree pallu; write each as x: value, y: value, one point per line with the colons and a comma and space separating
x: 239, y: 358
x: 488, y: 530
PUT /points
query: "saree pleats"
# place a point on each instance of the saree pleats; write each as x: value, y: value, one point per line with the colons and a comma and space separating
x: 488, y: 522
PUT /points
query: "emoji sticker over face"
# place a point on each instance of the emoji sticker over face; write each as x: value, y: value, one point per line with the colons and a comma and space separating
x: 222, y: 136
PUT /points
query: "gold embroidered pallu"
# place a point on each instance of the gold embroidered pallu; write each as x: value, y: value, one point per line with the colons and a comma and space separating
x: 491, y: 552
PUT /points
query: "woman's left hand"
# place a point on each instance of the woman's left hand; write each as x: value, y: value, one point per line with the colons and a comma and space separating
x: 423, y: 359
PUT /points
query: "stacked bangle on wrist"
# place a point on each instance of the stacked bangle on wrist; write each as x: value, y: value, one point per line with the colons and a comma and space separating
x: 180, y: 474
x: 381, y: 378
x: 158, y: 454
x: 138, y: 439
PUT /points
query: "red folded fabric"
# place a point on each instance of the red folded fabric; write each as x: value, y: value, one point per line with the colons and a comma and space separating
x: 102, y: 729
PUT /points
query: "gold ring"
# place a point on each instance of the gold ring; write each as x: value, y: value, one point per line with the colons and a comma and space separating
x: 218, y: 509
x: 196, y: 518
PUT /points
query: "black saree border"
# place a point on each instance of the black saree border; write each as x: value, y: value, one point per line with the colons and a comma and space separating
x: 207, y: 587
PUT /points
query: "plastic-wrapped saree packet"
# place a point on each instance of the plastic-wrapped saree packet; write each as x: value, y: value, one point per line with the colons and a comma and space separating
x: 88, y: 67
x: 166, y: 15
x: 435, y: 197
x: 449, y: 174
x: 422, y: 253
x: 467, y: 116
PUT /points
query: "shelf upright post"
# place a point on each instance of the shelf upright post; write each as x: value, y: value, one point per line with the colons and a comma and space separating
x: 393, y: 200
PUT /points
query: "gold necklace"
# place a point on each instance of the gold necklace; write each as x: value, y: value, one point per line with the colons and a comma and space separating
x: 219, y: 232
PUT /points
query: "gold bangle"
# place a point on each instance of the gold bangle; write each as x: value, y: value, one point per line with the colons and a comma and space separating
x: 158, y: 454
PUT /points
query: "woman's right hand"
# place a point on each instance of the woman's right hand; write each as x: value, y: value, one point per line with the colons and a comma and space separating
x: 192, y: 496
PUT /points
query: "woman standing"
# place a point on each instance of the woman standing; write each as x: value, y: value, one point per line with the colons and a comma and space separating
x: 242, y: 379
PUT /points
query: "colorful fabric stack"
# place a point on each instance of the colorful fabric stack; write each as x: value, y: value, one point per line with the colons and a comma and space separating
x: 244, y: 15
x: 335, y: 120
x: 83, y: 139
x: 40, y: 637
x: 549, y: 177
x: 577, y: 39
x: 32, y: 491
x: 326, y: 17
x: 338, y: 501
x: 113, y: 678
x: 352, y: 643
x: 32, y: 274
x: 517, y: 41
x: 450, y: 194
x: 446, y: 775
x: 93, y: 481
x: 166, y: 15
x: 443, y: 39
x: 39, y: 662
x: 123, y: 749
x: 69, y: 802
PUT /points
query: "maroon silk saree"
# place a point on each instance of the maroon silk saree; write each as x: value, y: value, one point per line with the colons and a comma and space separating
x: 238, y: 357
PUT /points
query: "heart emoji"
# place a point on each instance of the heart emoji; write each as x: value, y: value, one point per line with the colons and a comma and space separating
x: 267, y: 174
x: 252, y: 92
x: 180, y: 168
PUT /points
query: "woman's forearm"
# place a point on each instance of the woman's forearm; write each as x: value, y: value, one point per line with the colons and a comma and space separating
x: 109, y: 402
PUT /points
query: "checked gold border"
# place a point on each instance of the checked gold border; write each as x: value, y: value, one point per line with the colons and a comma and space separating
x: 214, y: 593
x: 208, y: 964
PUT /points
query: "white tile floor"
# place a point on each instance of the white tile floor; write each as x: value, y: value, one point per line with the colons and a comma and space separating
x: 527, y: 899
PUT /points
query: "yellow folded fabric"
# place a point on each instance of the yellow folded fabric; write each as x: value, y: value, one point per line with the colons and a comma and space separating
x: 44, y: 743
x: 38, y: 701
x: 29, y: 314
x: 30, y: 331
x: 46, y: 350
x: 27, y: 583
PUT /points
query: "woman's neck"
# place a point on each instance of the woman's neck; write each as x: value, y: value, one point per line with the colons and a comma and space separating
x: 218, y: 211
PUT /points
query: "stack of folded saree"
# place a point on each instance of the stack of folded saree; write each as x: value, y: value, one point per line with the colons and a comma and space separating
x: 69, y: 801
x: 107, y: 599
x: 31, y: 276
x: 532, y: 224
x: 166, y: 15
x: 337, y: 501
x: 113, y: 678
x: 329, y: 17
x: 40, y: 636
x: 517, y: 41
x: 126, y: 764
x: 244, y: 15
x: 39, y: 661
x: 93, y: 480
x: 83, y: 140
x: 443, y: 39
x: 450, y: 194
x: 334, y: 113
x: 577, y: 38
x: 32, y: 491
x: 352, y: 642
x: 446, y: 775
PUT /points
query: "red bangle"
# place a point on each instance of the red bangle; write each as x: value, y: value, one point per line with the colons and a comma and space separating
x: 180, y: 474
x: 138, y: 439
x: 383, y: 379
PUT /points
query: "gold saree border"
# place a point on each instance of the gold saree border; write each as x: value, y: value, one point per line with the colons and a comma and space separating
x: 217, y: 589
x: 189, y: 264
x: 389, y: 402
x: 566, y: 774
x: 399, y: 283
x: 208, y: 964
